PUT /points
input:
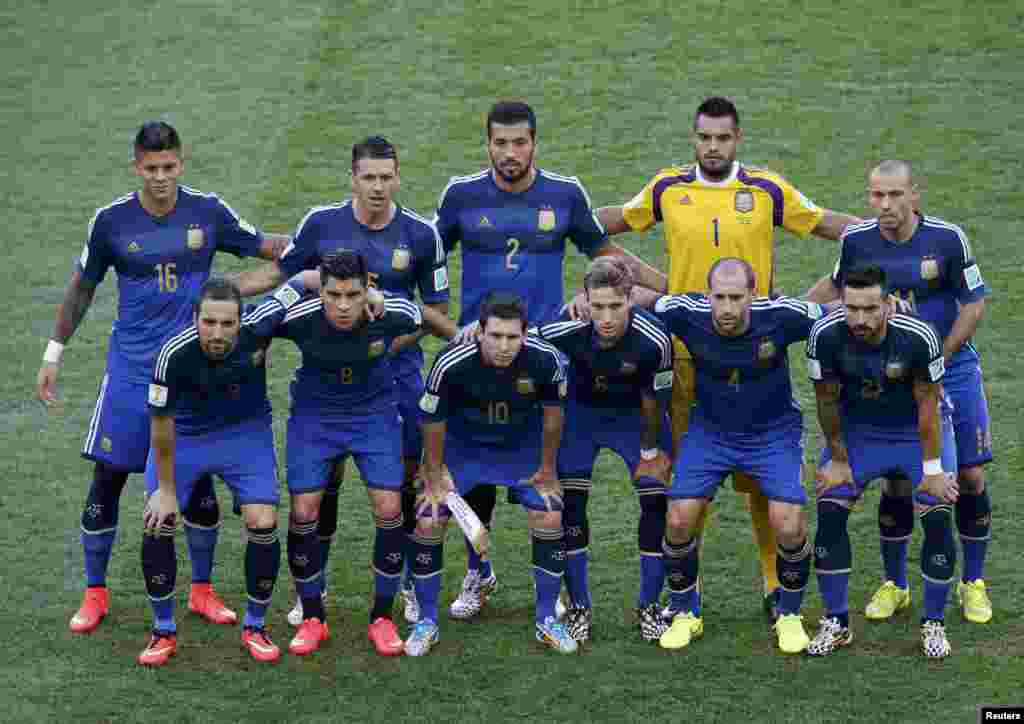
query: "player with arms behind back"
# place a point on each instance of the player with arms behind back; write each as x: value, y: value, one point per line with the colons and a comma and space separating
x: 210, y: 414
x: 161, y: 241
x: 714, y: 208
x: 512, y: 221
x: 620, y: 379
x: 878, y: 383
x: 493, y: 414
x: 745, y: 420
x: 929, y: 263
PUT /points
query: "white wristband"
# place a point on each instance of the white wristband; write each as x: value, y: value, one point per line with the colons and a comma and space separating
x: 53, y: 352
x: 933, y: 467
x: 648, y: 453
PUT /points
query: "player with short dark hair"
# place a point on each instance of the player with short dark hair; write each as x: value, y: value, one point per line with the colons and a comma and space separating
x: 161, y: 240
x: 210, y: 415
x: 713, y: 208
x: 929, y: 263
x: 512, y: 221
x: 620, y: 378
x: 745, y: 420
x: 878, y: 383
x: 493, y: 414
x: 404, y: 255
x: 344, y: 402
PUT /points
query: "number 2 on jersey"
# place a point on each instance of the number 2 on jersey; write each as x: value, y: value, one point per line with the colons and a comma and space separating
x: 167, y: 276
x: 513, y: 248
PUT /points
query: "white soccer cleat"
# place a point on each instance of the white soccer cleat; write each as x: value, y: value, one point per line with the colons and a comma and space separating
x: 412, y: 604
x: 295, y: 615
x: 933, y: 640
x: 423, y: 637
x: 831, y: 636
x: 579, y: 622
x: 552, y: 634
x: 474, y: 595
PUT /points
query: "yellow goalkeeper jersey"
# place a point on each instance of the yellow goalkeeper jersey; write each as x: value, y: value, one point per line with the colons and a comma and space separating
x: 708, y: 220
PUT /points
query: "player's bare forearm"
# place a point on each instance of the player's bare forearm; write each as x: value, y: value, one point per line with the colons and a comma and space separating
x: 832, y: 225
x: 928, y: 420
x: 613, y: 220
x: 437, y: 322
x: 162, y: 439
x: 273, y: 246
x: 644, y: 274
x: 644, y: 297
x: 71, y: 311
x: 823, y: 291
x: 827, y: 397
x: 964, y: 327
x: 257, y: 281
x: 433, y: 448
x: 553, y: 419
x: 651, y: 411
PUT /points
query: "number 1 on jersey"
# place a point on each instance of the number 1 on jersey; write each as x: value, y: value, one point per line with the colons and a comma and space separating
x: 714, y: 224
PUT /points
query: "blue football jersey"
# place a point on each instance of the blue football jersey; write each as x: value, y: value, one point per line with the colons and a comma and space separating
x: 405, y: 256
x: 515, y: 242
x: 934, y: 270
x: 638, y: 365
x: 343, y: 373
x: 495, y: 406
x: 206, y: 395
x: 742, y: 382
x: 877, y: 381
x: 161, y: 262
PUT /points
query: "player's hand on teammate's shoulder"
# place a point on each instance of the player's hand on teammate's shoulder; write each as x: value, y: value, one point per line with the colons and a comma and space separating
x: 831, y: 475
x: 659, y: 467
x: 899, y: 305
x: 374, y: 303
x: 943, y: 486
x: 579, y: 308
x: 467, y: 335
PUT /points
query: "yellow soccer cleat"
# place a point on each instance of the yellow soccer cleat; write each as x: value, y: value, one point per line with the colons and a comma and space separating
x: 685, y: 627
x: 789, y: 628
x: 974, y: 601
x: 887, y: 600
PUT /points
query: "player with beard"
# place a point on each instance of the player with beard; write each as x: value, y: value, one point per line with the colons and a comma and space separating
x: 512, y: 221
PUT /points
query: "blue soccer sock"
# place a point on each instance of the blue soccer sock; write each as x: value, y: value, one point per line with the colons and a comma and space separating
x: 427, y: 565
x: 304, y: 562
x: 650, y: 532
x: 98, y: 547
x: 159, y: 568
x: 682, y: 568
x: 793, y: 567
x: 895, y: 528
x: 327, y: 526
x: 974, y: 522
x: 262, y: 565
x: 938, y: 560
x: 201, y: 543
x: 389, y: 547
x: 99, y: 521
x: 577, y: 542
x: 548, y: 569
x: 833, y: 558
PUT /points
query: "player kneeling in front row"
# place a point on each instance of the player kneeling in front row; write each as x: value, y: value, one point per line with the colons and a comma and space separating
x: 745, y: 421
x: 620, y: 378
x: 210, y: 415
x: 493, y: 415
x: 877, y: 378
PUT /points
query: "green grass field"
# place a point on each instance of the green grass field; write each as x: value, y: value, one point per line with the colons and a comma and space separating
x: 269, y: 101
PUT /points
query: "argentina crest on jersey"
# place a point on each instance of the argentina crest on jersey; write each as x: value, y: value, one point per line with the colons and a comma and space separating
x: 525, y: 386
x: 195, y: 238
x: 546, y: 219
x: 744, y: 201
x: 929, y: 268
x: 376, y: 348
x: 765, y: 350
x: 895, y: 369
x: 400, y: 258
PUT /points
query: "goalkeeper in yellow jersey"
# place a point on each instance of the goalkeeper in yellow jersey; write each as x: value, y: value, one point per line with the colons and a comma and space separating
x: 714, y: 208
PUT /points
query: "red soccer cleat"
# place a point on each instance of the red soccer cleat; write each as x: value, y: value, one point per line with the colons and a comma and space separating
x: 258, y: 644
x: 307, y: 639
x: 162, y: 645
x: 202, y: 599
x: 385, y: 638
x: 95, y: 606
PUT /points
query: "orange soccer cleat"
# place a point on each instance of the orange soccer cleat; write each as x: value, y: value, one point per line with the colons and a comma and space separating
x: 385, y: 638
x: 162, y: 645
x: 202, y: 599
x: 95, y: 606
x: 258, y: 644
x: 307, y: 639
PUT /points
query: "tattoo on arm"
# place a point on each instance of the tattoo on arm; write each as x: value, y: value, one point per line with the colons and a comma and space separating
x: 71, y: 311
